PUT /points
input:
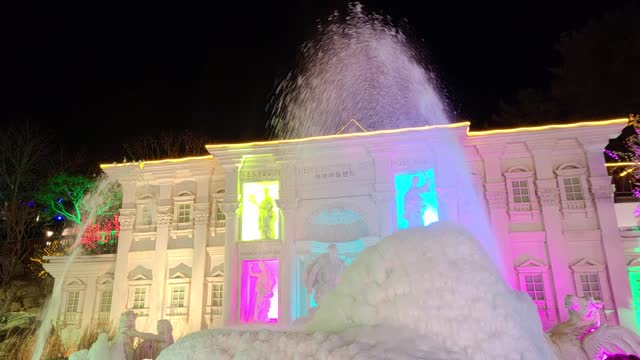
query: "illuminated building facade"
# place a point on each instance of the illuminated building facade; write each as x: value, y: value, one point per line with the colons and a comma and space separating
x: 229, y: 238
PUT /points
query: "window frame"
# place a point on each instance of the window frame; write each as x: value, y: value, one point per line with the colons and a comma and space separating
x: 185, y: 198
x: 569, y: 171
x: 546, y: 307
x: 145, y: 202
x: 522, y: 211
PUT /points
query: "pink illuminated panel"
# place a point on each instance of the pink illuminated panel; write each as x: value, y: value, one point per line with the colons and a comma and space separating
x: 259, y: 291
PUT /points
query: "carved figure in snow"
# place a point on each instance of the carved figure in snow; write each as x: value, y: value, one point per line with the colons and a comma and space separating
x: 414, y: 205
x: 123, y: 342
x: 266, y: 215
x: 153, y: 344
x: 265, y: 283
x: 583, y: 337
x: 323, y: 274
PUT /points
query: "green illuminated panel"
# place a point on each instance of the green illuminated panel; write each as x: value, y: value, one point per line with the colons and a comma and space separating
x: 260, y: 215
x: 634, y: 280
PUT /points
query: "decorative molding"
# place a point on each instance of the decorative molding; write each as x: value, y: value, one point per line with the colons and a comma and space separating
x: 127, y: 222
x: 603, y: 192
x: 165, y: 220
x: 532, y: 265
x: 549, y: 196
x: 229, y: 208
x: 587, y: 265
x: 201, y: 217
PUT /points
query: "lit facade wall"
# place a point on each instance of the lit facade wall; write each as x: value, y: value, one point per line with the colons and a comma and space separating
x: 261, y: 213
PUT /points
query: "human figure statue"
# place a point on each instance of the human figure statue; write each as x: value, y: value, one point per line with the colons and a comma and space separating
x: 153, y: 344
x: 582, y: 337
x: 323, y: 274
x: 263, y: 292
x: 414, y: 205
x: 266, y: 215
x: 123, y: 343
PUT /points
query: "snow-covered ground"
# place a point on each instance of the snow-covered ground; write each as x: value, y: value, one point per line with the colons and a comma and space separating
x: 426, y: 293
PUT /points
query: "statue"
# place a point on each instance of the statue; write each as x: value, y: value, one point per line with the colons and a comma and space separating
x: 582, y: 337
x: 263, y: 292
x: 323, y: 274
x: 122, y: 346
x: 153, y: 344
x: 266, y: 216
x: 414, y: 205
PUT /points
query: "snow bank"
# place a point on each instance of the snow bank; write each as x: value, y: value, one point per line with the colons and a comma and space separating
x: 426, y: 293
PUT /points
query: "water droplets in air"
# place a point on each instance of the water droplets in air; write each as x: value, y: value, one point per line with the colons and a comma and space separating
x: 358, y: 67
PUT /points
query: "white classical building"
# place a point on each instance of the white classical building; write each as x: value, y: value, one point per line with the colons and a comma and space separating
x: 225, y: 239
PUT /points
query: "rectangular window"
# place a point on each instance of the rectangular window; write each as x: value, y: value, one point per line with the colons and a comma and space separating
x: 573, y: 189
x: 105, y: 301
x: 146, y: 217
x: 139, y: 297
x: 184, y: 213
x: 220, y: 217
x: 216, y: 296
x: 534, y: 286
x: 73, y: 301
x: 591, y: 285
x: 216, y: 300
x: 520, y: 191
x: 177, y: 296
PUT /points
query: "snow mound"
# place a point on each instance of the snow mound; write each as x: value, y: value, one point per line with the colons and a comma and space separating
x: 426, y: 293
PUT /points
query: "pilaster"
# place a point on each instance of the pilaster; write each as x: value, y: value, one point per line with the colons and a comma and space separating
x: 120, y: 281
x: 557, y: 246
x: 230, y: 295
x: 159, y: 267
x: 200, y: 231
x: 612, y: 247
x: 496, y: 200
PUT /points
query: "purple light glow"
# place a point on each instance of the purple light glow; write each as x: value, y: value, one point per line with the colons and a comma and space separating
x: 259, y: 291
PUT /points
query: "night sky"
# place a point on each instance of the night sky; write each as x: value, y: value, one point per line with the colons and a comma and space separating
x: 98, y: 75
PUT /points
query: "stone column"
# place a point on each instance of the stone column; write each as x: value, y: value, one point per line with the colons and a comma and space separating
x: 121, y: 271
x: 230, y: 294
x: 198, y: 269
x: 612, y: 246
x: 288, y: 264
x: 156, y: 299
x: 385, y: 204
x: 496, y: 201
x: 89, y: 302
x: 557, y: 246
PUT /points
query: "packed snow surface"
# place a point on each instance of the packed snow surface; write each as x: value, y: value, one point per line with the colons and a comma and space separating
x: 426, y: 293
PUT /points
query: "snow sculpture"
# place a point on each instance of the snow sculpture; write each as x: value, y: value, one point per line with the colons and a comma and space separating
x: 266, y: 216
x: 264, y: 292
x: 153, y: 344
x: 423, y: 293
x: 122, y: 346
x: 582, y: 336
x: 323, y: 274
x: 414, y: 205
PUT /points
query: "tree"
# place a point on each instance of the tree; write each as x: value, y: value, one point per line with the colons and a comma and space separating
x: 23, y: 161
x: 530, y: 107
x: 167, y: 145
x: 66, y: 197
x: 596, y: 78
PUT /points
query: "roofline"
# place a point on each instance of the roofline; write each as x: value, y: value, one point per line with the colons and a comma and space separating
x: 211, y: 147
